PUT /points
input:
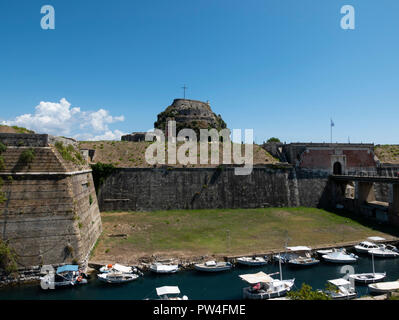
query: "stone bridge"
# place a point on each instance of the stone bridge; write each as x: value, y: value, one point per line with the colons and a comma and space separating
x: 357, y: 193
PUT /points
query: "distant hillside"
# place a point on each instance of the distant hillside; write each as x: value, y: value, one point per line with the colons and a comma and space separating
x: 14, y: 129
x: 129, y: 154
x: 387, y: 153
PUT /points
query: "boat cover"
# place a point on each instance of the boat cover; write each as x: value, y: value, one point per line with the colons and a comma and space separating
x: 253, y: 278
x: 168, y: 290
x: 376, y: 238
x: 393, y: 285
x: 299, y: 248
x: 122, y: 268
x: 339, y: 282
x: 67, y: 268
x: 165, y: 267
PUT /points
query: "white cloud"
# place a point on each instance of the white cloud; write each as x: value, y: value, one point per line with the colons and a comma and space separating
x: 58, y: 118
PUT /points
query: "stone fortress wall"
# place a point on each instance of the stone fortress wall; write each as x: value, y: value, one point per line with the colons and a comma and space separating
x: 50, y: 214
x: 144, y: 189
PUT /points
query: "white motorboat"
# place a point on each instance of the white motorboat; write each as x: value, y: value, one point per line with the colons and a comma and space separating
x: 340, y: 256
x: 263, y: 286
x: 366, y: 278
x: 164, y: 268
x: 385, y: 251
x: 365, y: 246
x: 344, y: 290
x: 117, y: 277
x: 252, y: 261
x: 170, y: 293
x: 384, y: 287
x: 117, y: 267
x: 213, y: 266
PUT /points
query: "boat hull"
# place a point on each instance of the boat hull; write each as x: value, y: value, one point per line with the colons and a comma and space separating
x: 113, y: 281
x: 374, y: 288
x: 366, y: 278
x: 339, y: 261
x: 212, y: 269
x: 303, y: 264
x: 252, y: 263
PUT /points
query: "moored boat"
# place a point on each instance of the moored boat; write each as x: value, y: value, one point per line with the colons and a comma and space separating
x: 213, y: 266
x: 340, y: 256
x: 344, y: 290
x: 117, y: 277
x: 303, y: 260
x: 263, y: 286
x: 384, y: 287
x: 252, y: 261
x: 67, y: 275
x: 365, y: 246
x: 164, y: 268
x: 170, y: 293
x: 366, y: 278
x: 385, y: 251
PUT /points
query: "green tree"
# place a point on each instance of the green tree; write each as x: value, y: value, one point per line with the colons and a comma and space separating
x: 273, y: 139
x: 306, y: 293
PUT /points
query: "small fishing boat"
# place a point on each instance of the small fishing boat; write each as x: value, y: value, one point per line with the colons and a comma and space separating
x: 117, y: 277
x: 384, y: 287
x: 385, y: 251
x: 340, y: 256
x: 213, y: 266
x: 263, y: 286
x: 252, y: 261
x: 170, y: 293
x: 305, y: 260
x: 366, y: 278
x: 164, y: 268
x: 344, y: 290
x: 365, y: 246
x: 67, y: 275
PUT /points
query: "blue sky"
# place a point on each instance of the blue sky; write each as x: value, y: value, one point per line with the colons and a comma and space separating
x: 280, y: 67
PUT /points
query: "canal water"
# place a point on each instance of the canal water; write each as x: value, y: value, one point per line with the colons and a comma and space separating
x: 197, y: 285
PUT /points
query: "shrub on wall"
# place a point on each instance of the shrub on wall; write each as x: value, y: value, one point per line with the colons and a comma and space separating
x: 100, y: 172
x: 7, y: 259
x: 69, y: 153
x: 2, y: 149
x: 27, y: 156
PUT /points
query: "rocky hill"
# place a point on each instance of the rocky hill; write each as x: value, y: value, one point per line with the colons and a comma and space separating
x: 190, y: 114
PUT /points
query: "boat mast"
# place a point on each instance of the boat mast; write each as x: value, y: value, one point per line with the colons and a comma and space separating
x: 279, y: 265
x: 372, y: 259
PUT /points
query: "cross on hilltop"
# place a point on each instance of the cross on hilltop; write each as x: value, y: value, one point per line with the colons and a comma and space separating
x: 184, y: 91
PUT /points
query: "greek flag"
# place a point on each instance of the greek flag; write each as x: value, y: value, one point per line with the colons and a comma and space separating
x: 332, y: 123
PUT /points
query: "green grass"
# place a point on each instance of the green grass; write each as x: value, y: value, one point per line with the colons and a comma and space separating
x: 227, y: 231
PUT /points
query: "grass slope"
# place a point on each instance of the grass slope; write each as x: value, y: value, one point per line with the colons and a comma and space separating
x: 189, y: 233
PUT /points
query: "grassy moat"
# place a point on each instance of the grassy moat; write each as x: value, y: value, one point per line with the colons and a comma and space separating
x: 128, y: 236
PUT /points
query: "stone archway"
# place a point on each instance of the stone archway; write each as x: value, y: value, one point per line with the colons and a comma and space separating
x: 337, y: 168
